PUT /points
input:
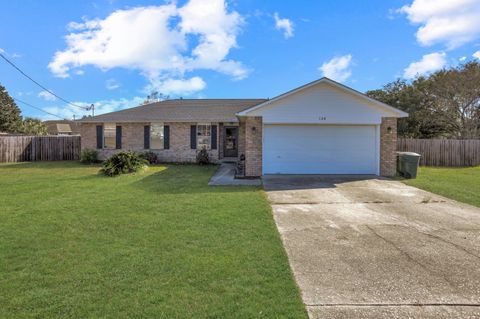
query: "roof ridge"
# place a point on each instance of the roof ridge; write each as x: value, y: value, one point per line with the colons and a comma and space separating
x: 209, y: 99
x: 193, y: 108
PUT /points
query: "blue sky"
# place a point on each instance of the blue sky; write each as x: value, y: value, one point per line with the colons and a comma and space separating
x: 113, y: 53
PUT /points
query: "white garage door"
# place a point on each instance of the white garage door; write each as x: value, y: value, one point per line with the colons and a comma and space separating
x: 320, y: 149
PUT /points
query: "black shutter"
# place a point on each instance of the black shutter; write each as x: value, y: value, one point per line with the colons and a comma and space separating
x: 100, y: 136
x: 193, y: 137
x: 166, y: 137
x: 214, y: 137
x: 118, y: 137
x: 146, y: 137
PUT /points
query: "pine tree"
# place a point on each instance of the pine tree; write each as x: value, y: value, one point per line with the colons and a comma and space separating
x: 10, y: 119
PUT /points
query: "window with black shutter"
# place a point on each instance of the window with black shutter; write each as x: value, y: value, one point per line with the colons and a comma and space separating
x: 118, y: 138
x: 99, y: 136
x: 193, y: 137
x: 146, y: 137
x: 214, y: 137
x: 166, y: 137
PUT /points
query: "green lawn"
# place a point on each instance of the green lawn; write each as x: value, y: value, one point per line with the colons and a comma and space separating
x: 462, y: 184
x: 160, y: 244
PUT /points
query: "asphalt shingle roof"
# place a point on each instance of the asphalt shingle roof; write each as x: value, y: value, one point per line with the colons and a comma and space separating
x: 181, y: 110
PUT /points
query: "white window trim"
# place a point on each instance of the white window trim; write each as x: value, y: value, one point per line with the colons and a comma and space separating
x: 163, y: 133
x: 209, y: 147
x: 104, y: 146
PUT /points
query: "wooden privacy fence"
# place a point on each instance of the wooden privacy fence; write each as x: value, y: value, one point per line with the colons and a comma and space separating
x: 448, y: 153
x: 39, y: 148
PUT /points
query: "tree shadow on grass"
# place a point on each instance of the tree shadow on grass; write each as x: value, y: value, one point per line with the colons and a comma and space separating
x: 184, y: 179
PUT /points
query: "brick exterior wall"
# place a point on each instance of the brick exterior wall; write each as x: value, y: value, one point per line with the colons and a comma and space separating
x: 388, y: 147
x: 249, y: 143
x: 241, y: 138
x: 89, y: 136
x: 133, y: 139
x: 253, y: 146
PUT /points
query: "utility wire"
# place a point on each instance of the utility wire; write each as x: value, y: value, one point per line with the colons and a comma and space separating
x: 35, y: 107
x: 88, y: 108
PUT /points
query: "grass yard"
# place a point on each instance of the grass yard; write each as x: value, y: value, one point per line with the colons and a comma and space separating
x: 160, y: 244
x: 461, y: 184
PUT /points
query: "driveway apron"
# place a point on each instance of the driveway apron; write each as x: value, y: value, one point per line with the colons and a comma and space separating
x: 367, y: 247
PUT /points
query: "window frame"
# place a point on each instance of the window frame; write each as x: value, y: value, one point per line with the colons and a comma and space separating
x: 113, y: 137
x: 162, y: 133
x: 207, y: 137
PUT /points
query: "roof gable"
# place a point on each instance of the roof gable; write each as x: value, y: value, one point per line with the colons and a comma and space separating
x: 382, y: 107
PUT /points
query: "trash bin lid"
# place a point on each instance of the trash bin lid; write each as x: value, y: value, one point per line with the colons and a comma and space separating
x: 408, y: 154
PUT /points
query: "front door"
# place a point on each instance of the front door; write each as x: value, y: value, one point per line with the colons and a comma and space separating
x: 230, y: 142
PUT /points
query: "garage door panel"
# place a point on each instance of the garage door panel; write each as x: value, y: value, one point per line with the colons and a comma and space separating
x: 319, y: 149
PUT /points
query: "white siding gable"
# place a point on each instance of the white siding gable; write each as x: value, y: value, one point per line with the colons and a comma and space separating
x: 322, y: 103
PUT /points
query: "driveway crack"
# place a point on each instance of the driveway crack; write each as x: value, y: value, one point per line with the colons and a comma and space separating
x: 451, y: 243
x: 409, y: 257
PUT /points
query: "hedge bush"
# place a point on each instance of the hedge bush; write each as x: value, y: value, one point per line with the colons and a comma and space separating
x: 151, y: 157
x: 89, y: 156
x: 202, y: 157
x: 123, y: 163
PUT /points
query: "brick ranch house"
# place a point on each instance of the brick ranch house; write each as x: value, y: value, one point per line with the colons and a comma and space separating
x: 322, y: 127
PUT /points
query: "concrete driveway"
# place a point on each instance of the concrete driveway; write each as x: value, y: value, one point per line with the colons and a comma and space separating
x: 366, y: 247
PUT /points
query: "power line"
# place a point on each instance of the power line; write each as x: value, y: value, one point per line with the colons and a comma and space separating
x: 88, y: 108
x: 35, y: 107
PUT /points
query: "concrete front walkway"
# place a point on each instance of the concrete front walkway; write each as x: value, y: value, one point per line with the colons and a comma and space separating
x: 366, y: 247
x: 225, y: 175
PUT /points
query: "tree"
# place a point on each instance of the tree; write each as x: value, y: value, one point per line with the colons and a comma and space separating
x: 10, y: 118
x: 32, y: 126
x: 457, y: 92
x: 423, y: 120
x: 445, y: 104
x: 155, y: 96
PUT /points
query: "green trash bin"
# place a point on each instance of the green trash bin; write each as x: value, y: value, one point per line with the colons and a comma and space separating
x: 407, y: 164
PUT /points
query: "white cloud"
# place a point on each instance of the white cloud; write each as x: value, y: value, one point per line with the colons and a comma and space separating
x: 338, y: 68
x: 216, y: 38
x: 429, y: 63
x: 178, y: 86
x: 156, y: 40
x: 11, y: 55
x: 463, y: 58
x: 476, y: 55
x: 112, y: 84
x: 284, y: 25
x: 453, y: 22
x: 47, y: 96
x: 20, y: 93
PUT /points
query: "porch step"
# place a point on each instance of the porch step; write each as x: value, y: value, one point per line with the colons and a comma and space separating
x: 225, y: 175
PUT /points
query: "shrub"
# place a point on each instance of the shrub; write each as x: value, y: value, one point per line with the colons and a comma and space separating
x: 89, y: 156
x: 123, y: 163
x: 151, y: 157
x: 202, y: 157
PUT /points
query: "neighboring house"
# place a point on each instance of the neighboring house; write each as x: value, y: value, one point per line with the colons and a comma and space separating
x: 62, y: 127
x: 320, y: 128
